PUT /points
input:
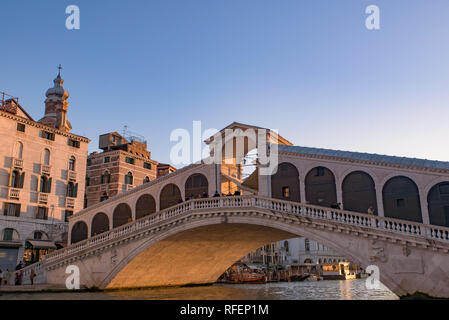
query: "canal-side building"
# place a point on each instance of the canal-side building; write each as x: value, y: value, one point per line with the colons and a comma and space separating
x: 42, y: 173
x: 124, y: 164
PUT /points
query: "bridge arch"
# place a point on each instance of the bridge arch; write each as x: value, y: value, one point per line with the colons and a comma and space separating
x: 359, y: 192
x: 145, y: 205
x: 100, y: 224
x: 169, y: 196
x: 79, y: 232
x: 122, y: 215
x: 438, y: 204
x: 401, y: 199
x: 285, y: 183
x: 170, y: 257
x: 195, y: 186
x: 321, y: 187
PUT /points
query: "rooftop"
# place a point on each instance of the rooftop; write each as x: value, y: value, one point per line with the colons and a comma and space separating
x: 367, y: 157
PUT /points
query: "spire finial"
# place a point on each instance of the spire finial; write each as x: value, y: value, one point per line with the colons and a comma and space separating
x: 60, y: 68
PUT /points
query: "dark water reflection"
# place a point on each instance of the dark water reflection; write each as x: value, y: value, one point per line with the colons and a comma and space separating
x: 322, y: 290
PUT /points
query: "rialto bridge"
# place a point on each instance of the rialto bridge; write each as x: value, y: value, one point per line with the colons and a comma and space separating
x: 174, y: 231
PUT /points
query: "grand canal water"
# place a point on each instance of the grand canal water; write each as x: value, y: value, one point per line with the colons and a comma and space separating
x: 323, y: 290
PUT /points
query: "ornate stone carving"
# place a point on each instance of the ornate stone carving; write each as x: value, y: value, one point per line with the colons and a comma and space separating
x: 377, y: 252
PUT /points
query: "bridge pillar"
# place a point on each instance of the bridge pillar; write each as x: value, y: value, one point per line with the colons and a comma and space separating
x: 264, y: 185
x: 380, y: 202
x: 302, y: 190
x: 424, y: 207
x: 339, y: 191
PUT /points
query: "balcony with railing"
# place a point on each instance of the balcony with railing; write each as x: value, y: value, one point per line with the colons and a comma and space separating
x: 72, y: 175
x: 45, y: 170
x: 14, y: 193
x: 127, y: 187
x: 70, y: 202
x: 43, y: 198
x: 17, y: 163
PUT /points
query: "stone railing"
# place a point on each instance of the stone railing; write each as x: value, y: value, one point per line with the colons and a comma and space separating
x: 72, y: 175
x: 14, y: 193
x: 70, y: 202
x: 273, y: 206
x: 17, y: 163
x: 45, y: 170
x: 43, y: 198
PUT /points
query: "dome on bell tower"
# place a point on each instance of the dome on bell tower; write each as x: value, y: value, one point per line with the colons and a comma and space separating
x: 57, y: 91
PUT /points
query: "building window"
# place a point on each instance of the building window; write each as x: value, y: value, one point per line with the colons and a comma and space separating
x: 8, y: 234
x: 67, y: 214
x: 73, y: 143
x: 45, y: 185
x: 37, y: 235
x: 319, y: 171
x: 400, y: 203
x: 72, y: 190
x: 286, y: 192
x: 20, y: 127
x: 107, y: 159
x: 42, y: 213
x: 12, y: 209
x: 129, y: 178
x: 129, y: 160
x: 307, y: 244
x: 16, y: 179
x: 89, y: 162
x: 48, y: 135
x: 105, y: 178
x: 147, y: 165
x: 72, y: 163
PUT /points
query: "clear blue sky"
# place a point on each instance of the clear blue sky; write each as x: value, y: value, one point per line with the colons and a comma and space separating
x: 308, y: 68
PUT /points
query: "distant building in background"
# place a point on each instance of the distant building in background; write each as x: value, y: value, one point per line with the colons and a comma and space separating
x: 125, y: 163
x: 163, y: 169
x: 297, y: 251
x: 42, y: 176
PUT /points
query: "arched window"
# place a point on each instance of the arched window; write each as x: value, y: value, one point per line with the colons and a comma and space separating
x: 19, y: 150
x: 286, y: 245
x: 100, y: 224
x: 105, y: 177
x: 129, y: 178
x: 145, y: 206
x: 79, y: 232
x: 320, y: 187
x: 72, y: 190
x: 45, y: 184
x: 196, y: 186
x: 16, y: 179
x: 438, y: 202
x: 122, y: 215
x: 72, y: 163
x: 10, y: 234
x: 285, y: 183
x: 170, y: 196
x: 307, y: 244
x: 46, y: 157
x: 359, y: 193
x: 401, y: 199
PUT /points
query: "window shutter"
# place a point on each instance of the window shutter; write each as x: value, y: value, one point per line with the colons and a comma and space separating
x: 76, y: 191
x: 22, y: 179
x: 38, y: 189
x: 67, y: 191
x: 49, y: 185
x: 17, y: 213
x: 10, y: 179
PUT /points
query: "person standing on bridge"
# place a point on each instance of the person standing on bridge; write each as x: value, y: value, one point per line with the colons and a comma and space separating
x: 371, y: 210
x: 32, y: 276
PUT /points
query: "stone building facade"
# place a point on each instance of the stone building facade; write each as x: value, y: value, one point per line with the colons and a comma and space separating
x: 42, y: 174
x: 124, y: 164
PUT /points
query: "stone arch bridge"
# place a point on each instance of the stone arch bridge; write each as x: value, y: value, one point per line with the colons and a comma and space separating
x: 174, y: 231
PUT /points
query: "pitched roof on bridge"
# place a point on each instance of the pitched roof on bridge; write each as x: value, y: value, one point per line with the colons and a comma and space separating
x: 372, y: 157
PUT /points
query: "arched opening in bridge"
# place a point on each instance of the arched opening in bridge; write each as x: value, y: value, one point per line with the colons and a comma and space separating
x: 196, y: 186
x: 122, y: 215
x: 401, y: 199
x: 359, y: 192
x: 100, y: 224
x: 320, y: 187
x: 285, y: 183
x: 145, y: 206
x: 170, y: 196
x: 79, y: 232
x: 438, y: 202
